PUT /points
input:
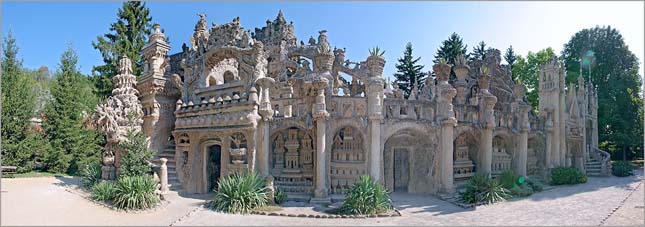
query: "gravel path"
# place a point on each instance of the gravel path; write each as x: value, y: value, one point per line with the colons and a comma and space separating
x: 601, y: 201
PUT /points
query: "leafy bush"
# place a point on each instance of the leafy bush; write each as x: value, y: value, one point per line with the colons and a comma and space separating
x: 240, y: 193
x: 567, y: 175
x: 136, y: 155
x: 366, y: 196
x: 535, y: 184
x: 91, y: 174
x: 622, y: 169
x: 521, y: 191
x: 103, y: 191
x: 136, y: 192
x: 280, y: 196
x: 481, y: 188
x: 509, y: 179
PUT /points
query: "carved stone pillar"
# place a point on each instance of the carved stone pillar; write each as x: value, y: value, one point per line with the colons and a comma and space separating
x: 266, y: 112
x: 163, y: 175
x: 548, y: 125
x: 320, y: 115
x: 448, y: 121
x: 374, y: 107
x: 523, y: 143
x: 487, y: 133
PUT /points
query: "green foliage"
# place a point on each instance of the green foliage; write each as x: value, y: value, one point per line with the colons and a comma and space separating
x: 136, y: 192
x: 376, y: 51
x: 479, y: 51
x: 481, y: 188
x: 240, y: 193
x: 127, y: 37
x: 508, y: 179
x: 104, y: 191
x: 91, y: 174
x: 280, y: 196
x: 408, y: 72
x: 510, y: 58
x: 18, y: 107
x: 366, y: 196
x: 603, y: 54
x: 136, y: 155
x: 451, y: 48
x: 67, y: 116
x: 622, y: 168
x: 535, y: 184
x: 522, y: 190
x: 526, y: 70
x: 567, y: 175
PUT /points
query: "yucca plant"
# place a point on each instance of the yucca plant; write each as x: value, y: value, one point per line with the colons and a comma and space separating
x: 494, y: 192
x: 366, y: 196
x: 376, y: 51
x: 280, y: 196
x: 104, y: 191
x: 91, y: 174
x: 240, y: 193
x: 509, y: 179
x: 136, y: 192
x: 481, y: 188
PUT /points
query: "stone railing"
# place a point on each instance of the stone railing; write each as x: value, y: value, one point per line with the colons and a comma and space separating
x: 409, y: 109
x: 604, y: 158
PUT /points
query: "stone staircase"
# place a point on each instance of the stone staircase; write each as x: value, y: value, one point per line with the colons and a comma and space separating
x: 598, y: 163
x: 173, y: 180
x: 593, y: 167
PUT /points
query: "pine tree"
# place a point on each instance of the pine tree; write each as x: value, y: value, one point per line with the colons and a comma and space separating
x: 127, y: 38
x: 18, y: 104
x: 67, y: 117
x: 479, y: 51
x: 510, y: 56
x: 451, y: 48
x: 408, y: 71
x: 136, y: 156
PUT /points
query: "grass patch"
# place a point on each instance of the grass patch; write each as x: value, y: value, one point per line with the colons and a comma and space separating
x: 268, y: 208
x: 34, y: 174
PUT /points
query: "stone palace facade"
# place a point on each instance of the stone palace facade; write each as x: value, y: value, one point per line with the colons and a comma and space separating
x: 261, y: 100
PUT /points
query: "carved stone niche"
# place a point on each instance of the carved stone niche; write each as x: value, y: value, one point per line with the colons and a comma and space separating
x: 463, y: 167
x: 238, y: 152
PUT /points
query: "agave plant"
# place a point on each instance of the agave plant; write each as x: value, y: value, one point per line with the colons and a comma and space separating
x: 240, y: 193
x: 91, y: 175
x: 442, y: 61
x: 376, y: 51
x: 366, y: 196
x: 135, y: 192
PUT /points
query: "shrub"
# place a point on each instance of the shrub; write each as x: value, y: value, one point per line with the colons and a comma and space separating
x: 535, y: 184
x: 567, y: 175
x: 280, y: 196
x: 136, y: 192
x: 91, y: 174
x: 622, y: 169
x: 521, y: 191
x: 240, y: 193
x: 480, y: 188
x: 509, y: 179
x: 136, y: 155
x: 103, y: 191
x: 366, y: 196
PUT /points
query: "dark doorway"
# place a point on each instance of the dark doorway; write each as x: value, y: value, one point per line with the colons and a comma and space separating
x: 214, y: 166
x: 401, y: 169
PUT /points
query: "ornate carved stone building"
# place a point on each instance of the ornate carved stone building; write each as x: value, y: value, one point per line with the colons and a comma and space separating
x: 238, y: 100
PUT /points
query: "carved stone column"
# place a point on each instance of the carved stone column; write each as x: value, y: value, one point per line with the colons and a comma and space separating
x: 374, y: 106
x: 488, y: 122
x: 523, y: 143
x: 163, y: 175
x: 548, y: 125
x: 266, y: 112
x: 448, y: 121
x: 320, y: 115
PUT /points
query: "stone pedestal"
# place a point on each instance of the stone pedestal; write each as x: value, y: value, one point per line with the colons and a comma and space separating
x: 447, y: 128
x: 163, y: 175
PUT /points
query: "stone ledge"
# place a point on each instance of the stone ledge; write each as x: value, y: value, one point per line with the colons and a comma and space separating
x: 394, y: 213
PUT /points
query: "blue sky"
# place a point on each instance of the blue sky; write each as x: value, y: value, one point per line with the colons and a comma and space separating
x: 43, y: 29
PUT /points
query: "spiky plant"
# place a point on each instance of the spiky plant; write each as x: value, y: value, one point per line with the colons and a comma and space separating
x: 91, y: 175
x: 280, y: 196
x: 104, y: 191
x: 366, y: 196
x: 240, y: 193
x: 136, y: 192
x: 376, y: 51
x: 442, y: 61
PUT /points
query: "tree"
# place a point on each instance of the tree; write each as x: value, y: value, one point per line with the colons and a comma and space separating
x: 510, y: 57
x: 479, y: 51
x: 136, y: 155
x: 18, y: 104
x: 451, y: 48
x: 67, y: 116
x: 409, y: 72
x: 526, y: 70
x: 601, y: 55
x: 129, y: 35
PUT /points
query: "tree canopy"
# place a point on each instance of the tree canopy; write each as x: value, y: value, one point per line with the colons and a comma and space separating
x: 526, y: 70
x: 607, y: 61
x: 127, y: 38
x: 408, y: 71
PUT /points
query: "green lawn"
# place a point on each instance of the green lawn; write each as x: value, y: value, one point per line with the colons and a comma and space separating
x: 34, y: 174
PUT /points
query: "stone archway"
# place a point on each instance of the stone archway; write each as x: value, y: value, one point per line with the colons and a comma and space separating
x: 410, y: 162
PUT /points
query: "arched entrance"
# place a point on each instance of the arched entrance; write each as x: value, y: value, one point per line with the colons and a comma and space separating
x: 410, y: 162
x: 214, y: 165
